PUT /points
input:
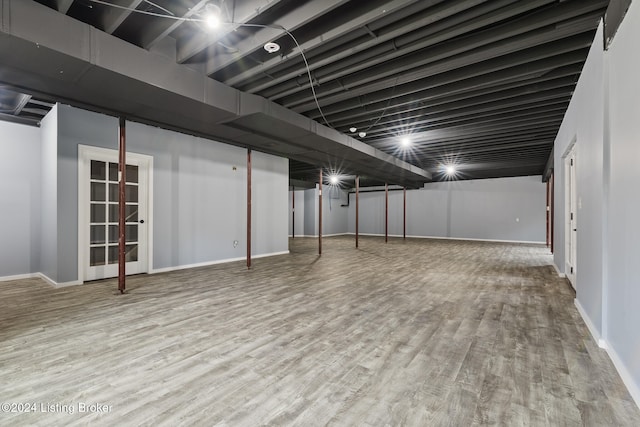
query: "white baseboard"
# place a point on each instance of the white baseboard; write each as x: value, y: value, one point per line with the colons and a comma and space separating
x: 627, y: 378
x: 453, y: 238
x: 587, y: 321
x: 560, y: 274
x: 315, y: 236
x: 18, y: 277
x: 209, y: 263
x: 40, y: 276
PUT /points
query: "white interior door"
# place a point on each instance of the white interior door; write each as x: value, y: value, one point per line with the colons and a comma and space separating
x: 98, y: 209
x: 571, y: 222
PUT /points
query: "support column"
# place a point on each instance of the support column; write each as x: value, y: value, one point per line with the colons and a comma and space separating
x: 548, y: 210
x: 404, y: 214
x: 320, y: 215
x: 357, y: 207
x: 553, y: 181
x: 122, y: 169
x: 386, y: 212
x: 248, y: 208
x: 293, y: 212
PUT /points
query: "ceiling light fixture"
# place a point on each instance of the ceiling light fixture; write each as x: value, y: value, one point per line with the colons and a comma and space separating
x: 334, y: 179
x: 362, y: 134
x: 405, y: 142
x: 212, y: 16
x: 272, y: 47
x: 353, y: 129
x: 450, y: 170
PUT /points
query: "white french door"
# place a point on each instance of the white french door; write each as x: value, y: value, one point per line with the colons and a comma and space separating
x: 571, y: 212
x: 98, y: 213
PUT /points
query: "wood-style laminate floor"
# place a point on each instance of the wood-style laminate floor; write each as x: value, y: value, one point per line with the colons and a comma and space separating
x: 421, y: 333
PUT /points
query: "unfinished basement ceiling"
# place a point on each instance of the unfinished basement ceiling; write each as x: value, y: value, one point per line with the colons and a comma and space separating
x: 480, y: 84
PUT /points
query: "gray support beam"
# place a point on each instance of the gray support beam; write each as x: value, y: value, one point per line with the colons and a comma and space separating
x: 116, y: 16
x: 64, y: 6
x: 153, y: 34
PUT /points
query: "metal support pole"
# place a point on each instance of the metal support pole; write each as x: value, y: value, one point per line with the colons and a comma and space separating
x: 553, y: 181
x: 249, y: 208
x: 122, y: 169
x: 357, y: 207
x: 548, y: 210
x: 293, y: 212
x: 404, y: 214
x: 320, y: 215
x: 386, y: 212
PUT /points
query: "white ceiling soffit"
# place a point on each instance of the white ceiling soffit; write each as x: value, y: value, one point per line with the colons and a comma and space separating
x: 48, y: 53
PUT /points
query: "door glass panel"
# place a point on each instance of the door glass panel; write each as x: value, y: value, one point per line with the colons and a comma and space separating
x: 113, y: 234
x: 98, y: 192
x: 98, y: 213
x: 113, y: 172
x: 97, y: 256
x: 98, y: 170
x: 131, y: 253
x: 97, y: 235
x: 132, y: 174
x: 131, y: 212
x: 113, y: 193
x: 131, y: 233
x: 113, y: 254
x: 131, y: 192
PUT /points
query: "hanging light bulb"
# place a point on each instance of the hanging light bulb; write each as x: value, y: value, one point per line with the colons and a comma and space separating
x: 362, y: 134
x: 212, y: 16
x: 353, y: 129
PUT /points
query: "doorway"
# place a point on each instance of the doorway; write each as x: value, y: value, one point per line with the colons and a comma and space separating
x: 98, y: 231
x: 571, y: 217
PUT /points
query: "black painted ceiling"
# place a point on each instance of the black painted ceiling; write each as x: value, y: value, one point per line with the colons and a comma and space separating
x: 480, y: 84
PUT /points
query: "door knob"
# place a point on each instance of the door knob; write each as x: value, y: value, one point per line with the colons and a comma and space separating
x: 142, y: 221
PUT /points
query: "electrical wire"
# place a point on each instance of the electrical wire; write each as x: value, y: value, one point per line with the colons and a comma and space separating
x: 275, y: 27
x: 393, y: 92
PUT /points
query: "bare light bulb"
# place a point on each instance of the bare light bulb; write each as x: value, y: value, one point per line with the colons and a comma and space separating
x: 362, y: 134
x: 450, y: 170
x: 334, y: 180
x: 405, y: 142
x: 212, y: 18
x: 353, y: 129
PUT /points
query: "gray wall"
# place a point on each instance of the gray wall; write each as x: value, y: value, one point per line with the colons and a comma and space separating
x: 20, y: 182
x: 584, y: 124
x: 199, y: 200
x: 604, y: 119
x: 311, y: 212
x: 622, y: 299
x: 511, y: 209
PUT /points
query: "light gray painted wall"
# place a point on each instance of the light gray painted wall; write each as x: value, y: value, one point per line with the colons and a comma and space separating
x: 491, y: 209
x: 299, y: 213
x: 20, y: 182
x: 49, y: 194
x: 622, y: 298
x: 334, y: 215
x: 199, y: 200
x: 311, y: 212
x: 584, y: 124
x: 270, y: 182
x: 604, y: 119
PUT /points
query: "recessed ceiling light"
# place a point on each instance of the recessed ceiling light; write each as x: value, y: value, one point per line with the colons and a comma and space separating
x: 272, y: 47
x: 353, y: 129
x: 362, y: 134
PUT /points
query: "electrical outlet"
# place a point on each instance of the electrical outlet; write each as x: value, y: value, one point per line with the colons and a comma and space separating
x: 235, y: 243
